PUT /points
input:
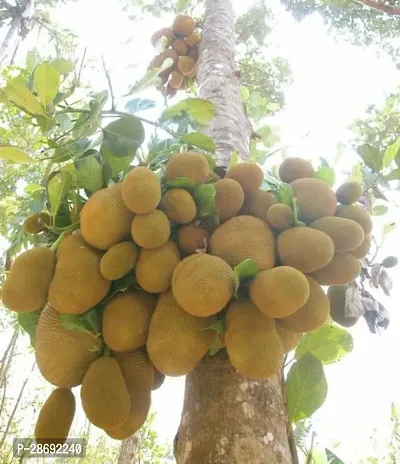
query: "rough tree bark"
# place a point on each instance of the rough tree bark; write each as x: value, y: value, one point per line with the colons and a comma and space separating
x: 128, y: 452
x: 228, y: 418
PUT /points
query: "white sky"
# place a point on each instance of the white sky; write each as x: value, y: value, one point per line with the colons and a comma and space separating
x: 333, y: 84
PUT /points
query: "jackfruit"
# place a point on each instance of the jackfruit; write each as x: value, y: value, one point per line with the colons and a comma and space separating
x: 315, y: 199
x: 158, y: 379
x: 244, y: 237
x: 345, y: 233
x: 188, y: 164
x: 357, y: 214
x: 77, y: 285
x: 55, y: 417
x: 191, y: 238
x: 280, y: 216
x: 137, y: 369
x: 36, y: 223
x: 305, y: 249
x: 289, y: 339
x: 126, y: 320
x: 258, y: 203
x: 295, y: 168
x: 249, y: 175
x: 27, y: 285
x: 337, y: 299
x: 155, y: 267
x: 194, y: 54
x: 183, y: 25
x: 151, y: 230
x: 279, y: 292
x: 192, y: 40
x: 203, y: 284
x: 252, y: 342
x: 362, y: 250
x: 177, y: 340
x: 166, y: 32
x: 175, y: 80
x: 349, y: 193
x: 180, y: 47
x: 185, y: 65
x: 229, y: 198
x: 105, y: 220
x: 341, y: 270
x: 179, y: 206
x: 63, y: 356
x: 312, y: 315
x: 118, y: 260
x: 141, y: 191
x: 105, y: 398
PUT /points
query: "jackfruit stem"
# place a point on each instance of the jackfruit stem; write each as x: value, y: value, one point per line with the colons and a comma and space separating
x: 56, y: 244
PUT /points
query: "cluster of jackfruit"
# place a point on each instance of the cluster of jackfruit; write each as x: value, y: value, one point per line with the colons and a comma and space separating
x: 182, y: 47
x: 180, y: 269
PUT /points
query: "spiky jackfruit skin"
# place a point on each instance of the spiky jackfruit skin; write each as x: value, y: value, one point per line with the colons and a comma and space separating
x: 151, y: 230
x: 229, y: 198
x: 141, y: 191
x: 188, y: 164
x: 251, y: 340
x: 118, y: 260
x: 105, y: 220
x: 289, y: 339
x: 279, y: 292
x: 55, y: 417
x: 164, y: 32
x: 258, y: 203
x: 315, y: 199
x: 27, y: 285
x: 349, y: 193
x: 77, y: 285
x: 343, y: 269
x: 280, y: 217
x: 295, y: 168
x: 192, y: 40
x: 249, y: 175
x: 183, y: 25
x: 36, y: 223
x: 179, y: 206
x: 345, y: 233
x: 203, y: 284
x: 305, y: 249
x: 105, y: 398
x: 137, y: 369
x: 126, y: 320
x: 158, y: 379
x: 177, y: 340
x: 362, y: 250
x: 185, y: 65
x: 312, y: 315
x: 155, y: 267
x: 337, y: 299
x: 179, y: 45
x: 191, y: 238
x: 356, y: 214
x: 244, y: 237
x: 63, y: 356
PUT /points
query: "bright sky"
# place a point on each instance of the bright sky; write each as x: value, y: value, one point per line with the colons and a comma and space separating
x: 333, y: 84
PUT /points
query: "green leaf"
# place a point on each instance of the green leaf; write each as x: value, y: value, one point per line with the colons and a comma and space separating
x: 306, y: 387
x: 14, y: 155
x: 63, y: 66
x: 57, y: 188
x: 31, y: 59
x: 24, y: 98
x: 379, y: 210
x: 64, y: 120
x: 234, y: 159
x: 371, y: 157
x: 89, y: 173
x: 391, y: 152
x: 217, y: 326
x: 216, y: 346
x: 150, y: 79
x: 199, y: 140
x: 46, y: 124
x: 70, y: 150
x: 328, y: 344
x: 244, y: 93
x: 180, y: 6
x: 388, y: 229
x: 28, y: 321
x: 88, y: 124
x: 181, y: 182
x: 202, y: 111
x: 326, y: 174
x: 318, y: 455
x: 286, y: 194
x: 244, y: 272
x: 114, y: 165
x: 47, y: 81
x: 124, y: 136
x: 211, y: 161
x: 139, y: 104
x: 296, y: 219
x: 87, y: 322
x: 393, y: 175
x: 204, y: 196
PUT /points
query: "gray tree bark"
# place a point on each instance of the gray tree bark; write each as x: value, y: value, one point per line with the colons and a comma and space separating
x: 128, y: 452
x: 228, y: 418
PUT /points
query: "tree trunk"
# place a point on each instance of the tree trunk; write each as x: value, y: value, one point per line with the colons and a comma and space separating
x: 228, y: 418
x: 128, y: 452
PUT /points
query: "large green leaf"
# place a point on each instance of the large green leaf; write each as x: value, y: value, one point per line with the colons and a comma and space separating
x: 379, y: 210
x: 89, y: 173
x: 202, y: 111
x: 47, y: 81
x: 14, y: 155
x: 28, y: 321
x: 372, y: 157
x: 114, y: 165
x: 24, y: 98
x: 306, y: 387
x: 124, y: 136
x: 70, y: 150
x: 393, y: 175
x: 328, y: 344
x: 63, y: 66
x: 88, y: 123
x: 391, y: 152
x: 57, y: 188
x: 204, y: 196
x: 327, y: 174
x: 199, y: 140
x: 88, y: 322
x: 244, y: 272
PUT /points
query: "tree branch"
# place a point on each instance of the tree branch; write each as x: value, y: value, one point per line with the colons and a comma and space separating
x: 390, y: 10
x: 107, y: 73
